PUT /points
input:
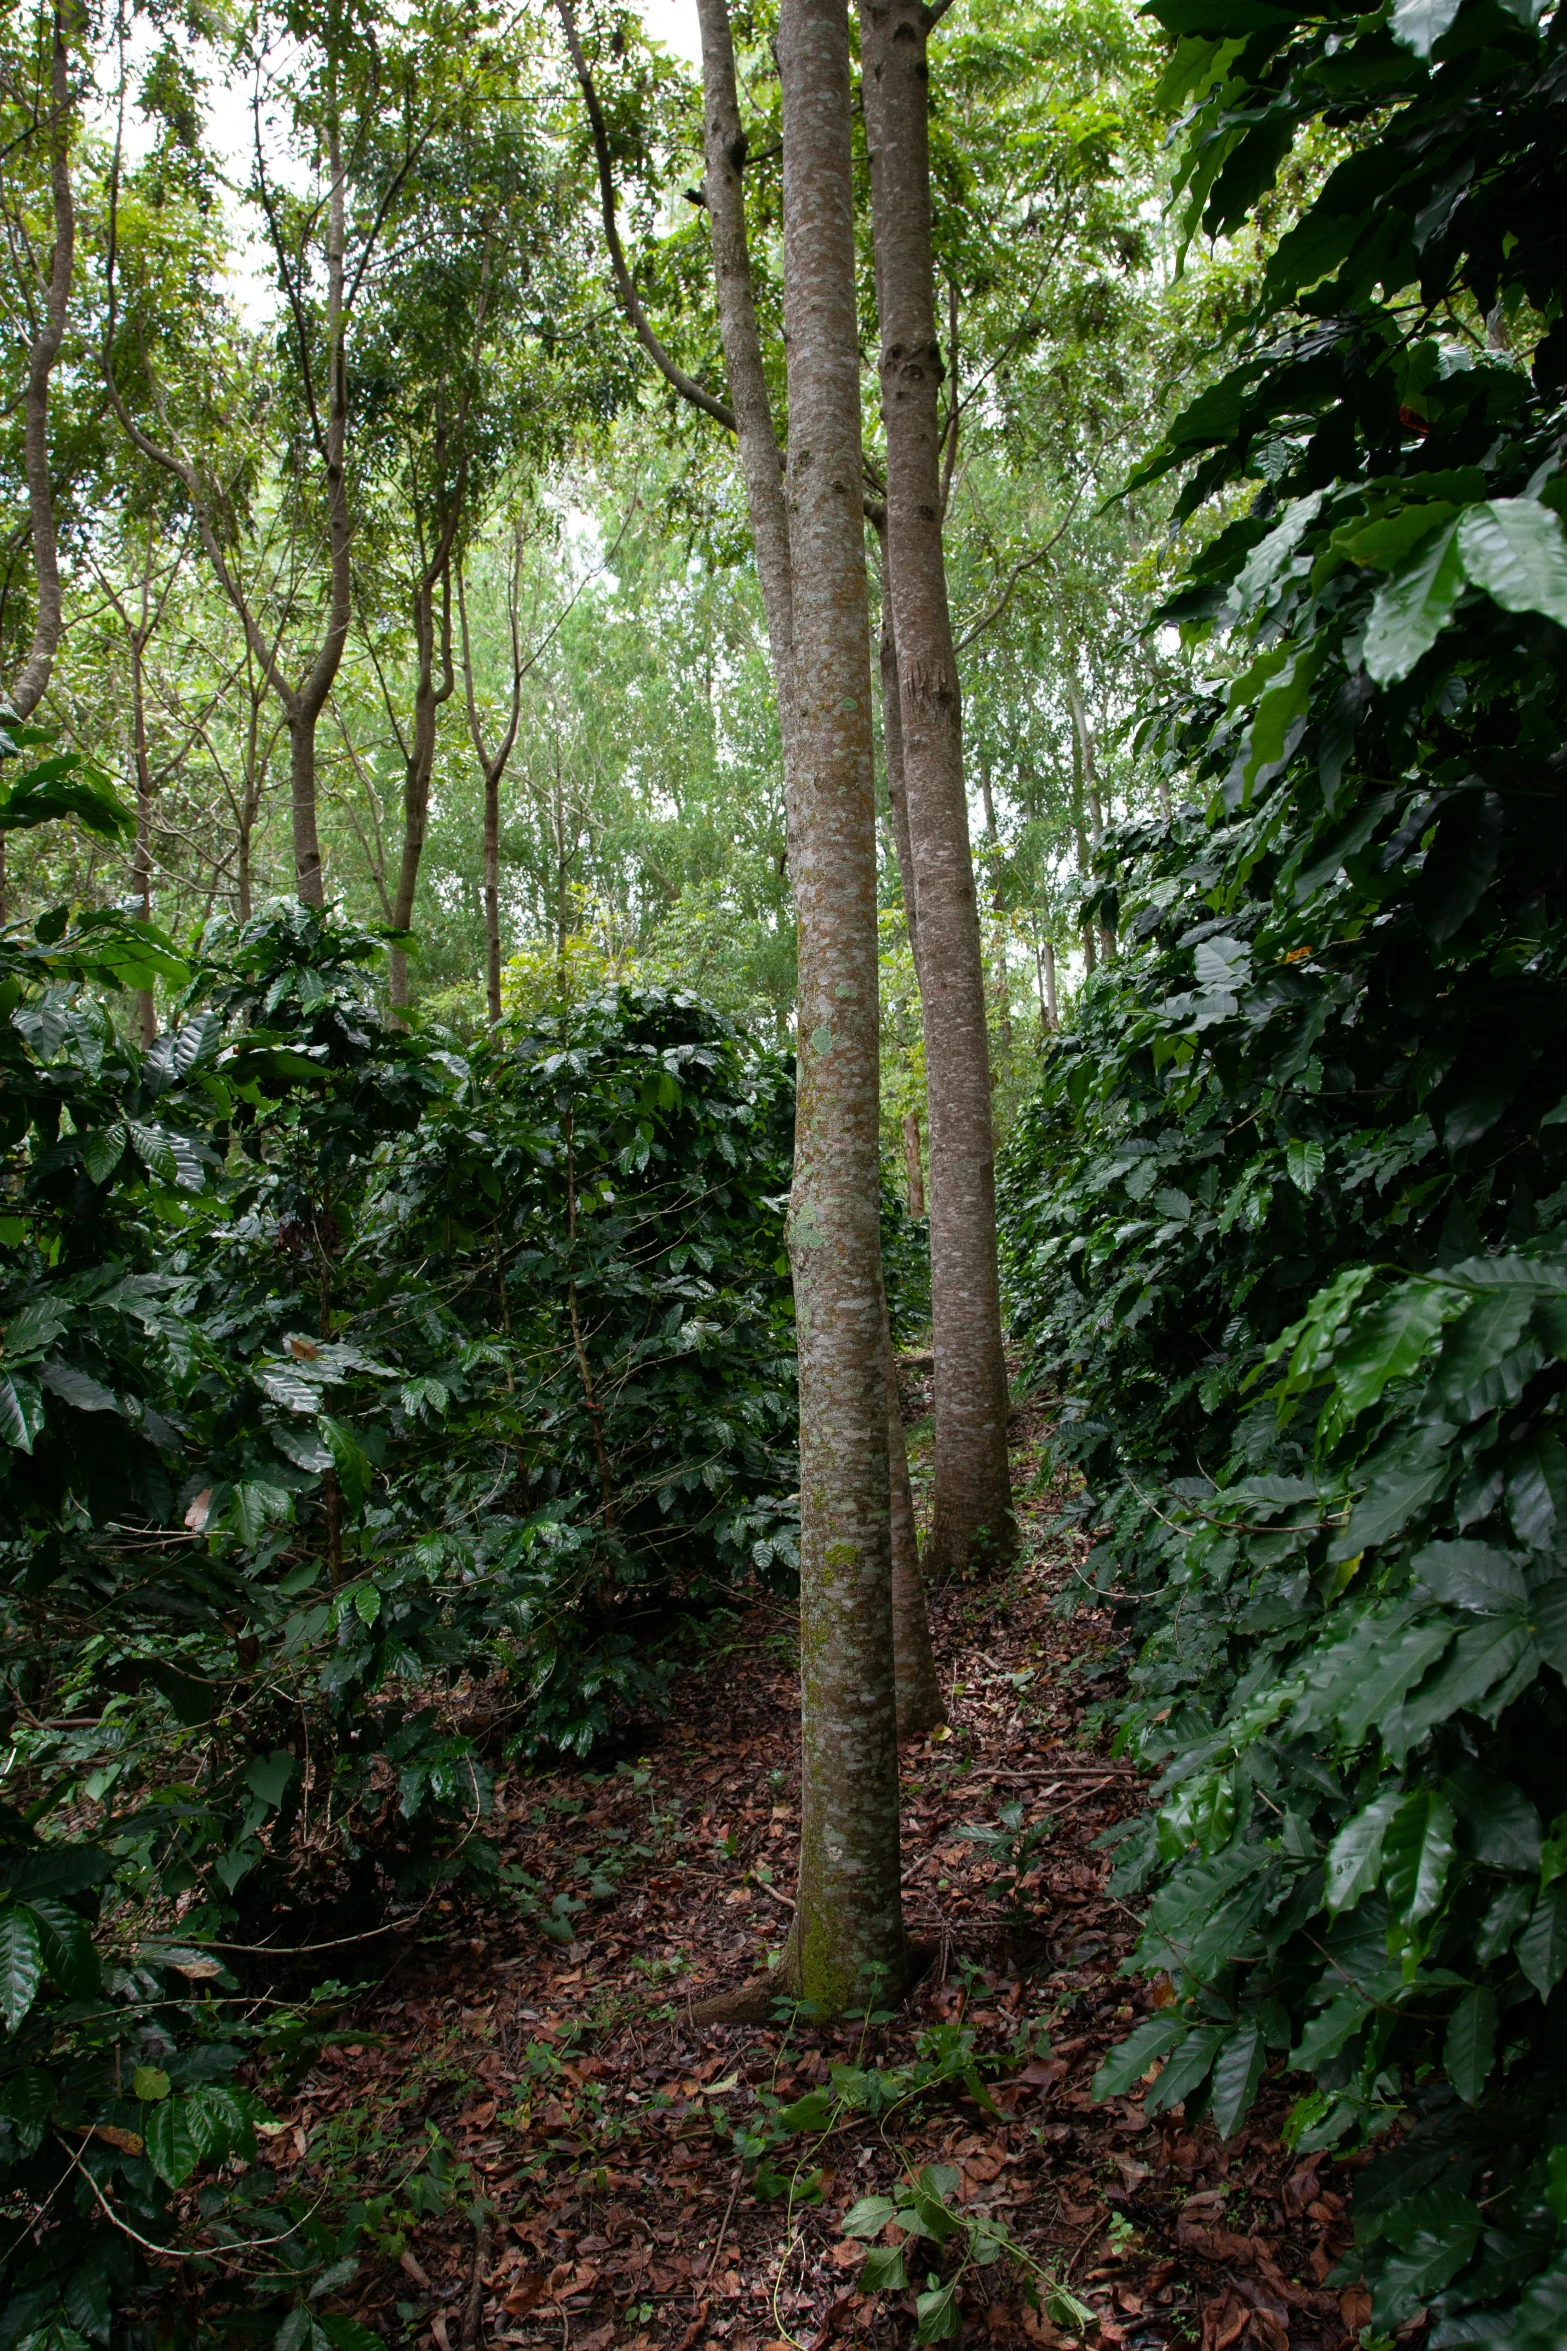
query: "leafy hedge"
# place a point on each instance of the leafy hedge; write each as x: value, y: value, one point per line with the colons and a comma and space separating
x: 1288, y: 1220
x: 336, y: 1372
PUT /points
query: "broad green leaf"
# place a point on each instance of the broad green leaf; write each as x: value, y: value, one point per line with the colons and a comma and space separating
x: 939, y: 2317
x: 21, y: 1963
x: 149, y: 2083
x: 1435, y: 2234
x: 1470, y: 2047
x: 1131, y: 2058
x: 1237, y: 2070
x: 354, y: 1471
x: 1541, y: 1950
x: 21, y: 1412
x: 1391, y: 1339
x: 1186, y: 2070
x: 267, y: 1776
x: 1470, y: 1575
x: 869, y: 2216
x: 1484, y: 1657
x: 1415, y: 605
x: 1418, y: 25
x: 1504, y: 1915
x: 1417, y: 1854
x: 1501, y: 1826
x: 1514, y: 549
x: 1388, y: 1668
x: 103, y: 1151
x: 172, y: 2146
x: 882, y: 2271
x: 1355, y: 1855
x: 348, y: 2334
x: 1385, y: 544
x: 79, y: 1388
x: 65, y: 1940
x: 813, y: 2112
x: 1305, y: 1161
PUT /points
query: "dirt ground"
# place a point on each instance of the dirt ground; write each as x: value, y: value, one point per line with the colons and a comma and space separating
x: 607, y: 2173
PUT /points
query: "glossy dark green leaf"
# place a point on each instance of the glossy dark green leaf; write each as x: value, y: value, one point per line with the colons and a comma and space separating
x: 1541, y: 1950
x: 1472, y: 1576
x: 1469, y: 2050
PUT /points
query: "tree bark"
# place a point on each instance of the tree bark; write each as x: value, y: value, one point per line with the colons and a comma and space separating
x: 999, y: 933
x: 973, y: 1500
x: 913, y: 1171
x: 892, y: 749
x: 849, y: 1913
x: 141, y: 855
x: 430, y: 693
x: 31, y: 682
x: 1083, y: 742
x: 761, y: 470
x: 494, y: 762
x: 1050, y: 1011
x: 919, y: 1706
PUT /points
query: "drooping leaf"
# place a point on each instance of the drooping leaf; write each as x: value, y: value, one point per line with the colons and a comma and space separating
x: 1514, y: 548
x: 1237, y: 2069
x: 1414, y: 606
x: 21, y: 1963
x: 1469, y: 2050
x: 1541, y: 1950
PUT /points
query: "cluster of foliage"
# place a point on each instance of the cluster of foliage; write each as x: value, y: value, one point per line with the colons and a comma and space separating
x: 1288, y: 1219
x: 339, y: 1374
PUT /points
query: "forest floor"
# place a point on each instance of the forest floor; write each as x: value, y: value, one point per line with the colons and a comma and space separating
x: 580, y: 2158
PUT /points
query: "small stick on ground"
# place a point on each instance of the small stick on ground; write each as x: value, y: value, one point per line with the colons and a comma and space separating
x: 474, y: 2305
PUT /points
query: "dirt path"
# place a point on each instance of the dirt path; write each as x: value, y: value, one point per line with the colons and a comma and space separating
x: 582, y: 2168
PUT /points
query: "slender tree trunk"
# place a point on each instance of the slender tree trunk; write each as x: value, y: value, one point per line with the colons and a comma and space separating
x: 1084, y: 762
x: 973, y: 1499
x: 919, y: 1706
x: 892, y: 747
x: 141, y: 856
x: 31, y: 681
x: 492, y: 895
x: 1047, y: 995
x: 912, y: 1169
x: 999, y: 934
x: 429, y: 694
x: 849, y: 1914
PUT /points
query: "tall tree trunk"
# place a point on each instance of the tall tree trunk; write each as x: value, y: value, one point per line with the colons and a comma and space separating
x: 849, y: 1914
x: 429, y: 694
x: 913, y: 1171
x: 919, y: 1706
x: 973, y: 1498
x: 141, y: 856
x: 892, y: 748
x: 492, y: 895
x: 999, y: 949
x: 1084, y: 743
x: 760, y: 464
x: 1050, y: 1016
x: 31, y: 681
x: 494, y: 762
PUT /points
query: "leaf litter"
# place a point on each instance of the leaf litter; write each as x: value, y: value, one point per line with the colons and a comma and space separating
x: 553, y: 2152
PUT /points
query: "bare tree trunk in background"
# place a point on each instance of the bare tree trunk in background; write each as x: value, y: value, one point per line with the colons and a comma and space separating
x: 429, y: 694
x: 1051, y: 1020
x: 892, y: 746
x: 849, y: 1913
x: 913, y: 1170
x: 31, y: 681
x: 1084, y: 763
x: 973, y: 1498
x: 993, y: 836
x: 494, y: 762
x: 141, y: 855
x: 919, y: 1706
